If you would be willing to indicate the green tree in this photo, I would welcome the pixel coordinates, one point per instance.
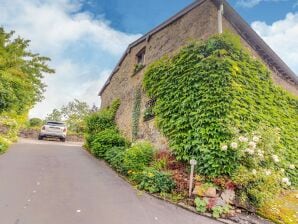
(55, 115)
(73, 114)
(21, 73)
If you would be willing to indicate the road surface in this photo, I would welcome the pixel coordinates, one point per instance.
(59, 183)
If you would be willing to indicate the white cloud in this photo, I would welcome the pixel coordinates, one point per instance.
(83, 48)
(282, 37)
(253, 3)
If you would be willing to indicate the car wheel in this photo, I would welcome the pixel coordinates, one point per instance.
(40, 137)
(62, 139)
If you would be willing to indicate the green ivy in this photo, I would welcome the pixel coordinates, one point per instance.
(206, 91)
(136, 112)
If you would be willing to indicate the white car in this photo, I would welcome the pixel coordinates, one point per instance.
(53, 129)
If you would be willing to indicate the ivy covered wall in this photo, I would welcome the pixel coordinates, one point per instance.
(210, 90)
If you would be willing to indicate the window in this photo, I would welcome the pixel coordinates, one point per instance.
(140, 61)
(148, 113)
(141, 57)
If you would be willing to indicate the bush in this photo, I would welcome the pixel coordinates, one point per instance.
(105, 140)
(256, 187)
(115, 157)
(201, 205)
(35, 122)
(4, 143)
(138, 156)
(153, 180)
(103, 119)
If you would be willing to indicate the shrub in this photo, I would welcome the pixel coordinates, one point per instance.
(105, 140)
(201, 205)
(256, 187)
(115, 157)
(153, 180)
(4, 143)
(138, 156)
(35, 122)
(218, 211)
(103, 119)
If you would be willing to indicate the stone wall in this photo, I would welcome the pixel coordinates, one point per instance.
(198, 24)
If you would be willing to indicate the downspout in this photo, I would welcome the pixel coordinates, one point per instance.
(219, 17)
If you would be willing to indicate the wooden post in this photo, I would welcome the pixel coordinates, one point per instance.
(192, 162)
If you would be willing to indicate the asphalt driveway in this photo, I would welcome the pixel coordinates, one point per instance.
(59, 183)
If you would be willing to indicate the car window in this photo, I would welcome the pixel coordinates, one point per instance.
(56, 124)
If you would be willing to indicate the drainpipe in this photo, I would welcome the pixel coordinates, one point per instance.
(219, 17)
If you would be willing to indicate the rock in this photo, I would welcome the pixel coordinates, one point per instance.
(231, 213)
(238, 211)
(220, 202)
(212, 202)
(202, 191)
(228, 196)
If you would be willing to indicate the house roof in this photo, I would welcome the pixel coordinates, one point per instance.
(243, 28)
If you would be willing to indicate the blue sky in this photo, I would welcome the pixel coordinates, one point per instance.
(86, 38)
(131, 15)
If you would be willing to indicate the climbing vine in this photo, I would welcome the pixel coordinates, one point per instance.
(136, 113)
(209, 90)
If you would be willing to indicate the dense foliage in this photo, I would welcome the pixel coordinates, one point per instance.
(101, 120)
(105, 140)
(21, 74)
(21, 86)
(138, 156)
(115, 157)
(153, 180)
(35, 122)
(210, 89)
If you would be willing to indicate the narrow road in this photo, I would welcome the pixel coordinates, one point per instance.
(58, 183)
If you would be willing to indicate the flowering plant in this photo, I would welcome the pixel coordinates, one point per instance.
(262, 171)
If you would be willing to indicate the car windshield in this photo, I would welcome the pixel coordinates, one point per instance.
(56, 124)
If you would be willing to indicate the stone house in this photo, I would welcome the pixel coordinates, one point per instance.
(198, 21)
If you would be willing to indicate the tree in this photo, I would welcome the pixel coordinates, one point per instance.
(55, 115)
(21, 74)
(73, 114)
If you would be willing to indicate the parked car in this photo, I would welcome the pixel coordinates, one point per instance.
(53, 129)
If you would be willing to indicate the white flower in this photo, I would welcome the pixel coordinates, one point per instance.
(254, 172)
(255, 138)
(224, 147)
(252, 144)
(286, 181)
(282, 170)
(260, 151)
(234, 145)
(275, 158)
(268, 172)
(243, 139)
(249, 151)
(260, 154)
(292, 166)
